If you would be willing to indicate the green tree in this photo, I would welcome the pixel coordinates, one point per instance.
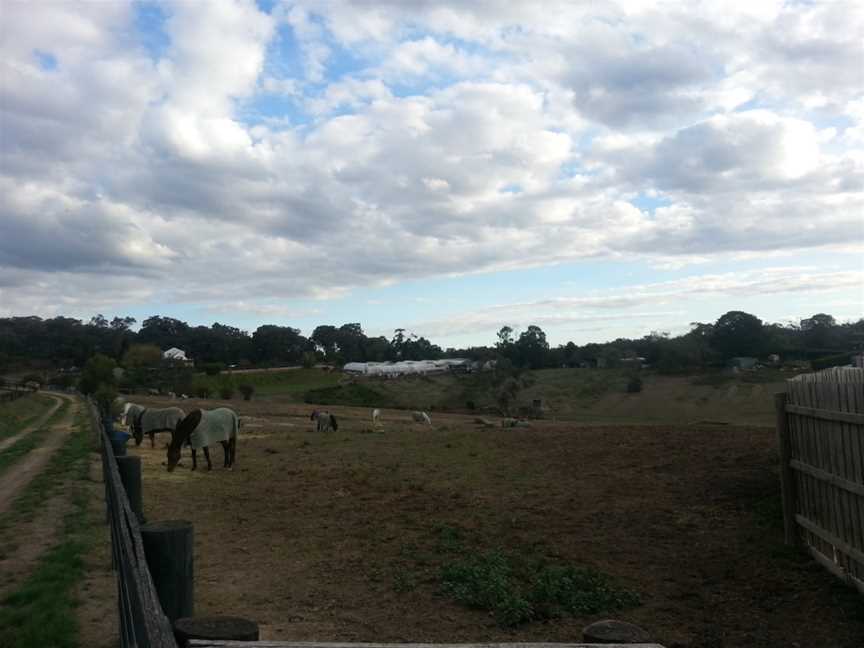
(98, 371)
(140, 356)
(737, 333)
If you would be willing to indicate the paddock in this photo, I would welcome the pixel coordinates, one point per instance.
(341, 536)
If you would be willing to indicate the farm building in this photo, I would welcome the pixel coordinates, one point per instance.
(409, 367)
(743, 362)
(176, 355)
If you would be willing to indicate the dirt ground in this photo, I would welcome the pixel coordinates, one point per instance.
(315, 536)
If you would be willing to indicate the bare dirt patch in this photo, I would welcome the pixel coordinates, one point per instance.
(22, 472)
(316, 535)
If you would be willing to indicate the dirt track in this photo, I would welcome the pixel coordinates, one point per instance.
(58, 400)
(20, 474)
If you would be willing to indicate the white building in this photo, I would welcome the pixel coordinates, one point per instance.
(176, 355)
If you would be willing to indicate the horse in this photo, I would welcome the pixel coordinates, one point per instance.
(130, 413)
(150, 421)
(324, 421)
(376, 415)
(421, 417)
(203, 428)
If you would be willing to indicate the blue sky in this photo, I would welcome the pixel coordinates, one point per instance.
(600, 169)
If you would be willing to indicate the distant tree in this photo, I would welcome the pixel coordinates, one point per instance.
(141, 356)
(819, 331)
(326, 338)
(247, 390)
(531, 349)
(738, 333)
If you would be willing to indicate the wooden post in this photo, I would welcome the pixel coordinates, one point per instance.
(787, 483)
(129, 468)
(168, 549)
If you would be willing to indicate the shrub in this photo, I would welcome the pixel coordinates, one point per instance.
(213, 368)
(226, 392)
(247, 391)
(105, 397)
(634, 385)
(203, 391)
(827, 362)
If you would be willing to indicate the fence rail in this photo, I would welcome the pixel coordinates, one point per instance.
(820, 426)
(10, 391)
(142, 621)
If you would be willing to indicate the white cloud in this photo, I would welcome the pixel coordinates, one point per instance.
(422, 139)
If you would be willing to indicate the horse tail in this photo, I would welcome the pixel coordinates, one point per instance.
(334, 423)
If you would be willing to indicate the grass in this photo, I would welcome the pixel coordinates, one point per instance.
(18, 414)
(294, 383)
(41, 611)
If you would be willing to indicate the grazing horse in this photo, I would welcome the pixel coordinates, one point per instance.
(130, 413)
(421, 417)
(324, 421)
(150, 421)
(203, 428)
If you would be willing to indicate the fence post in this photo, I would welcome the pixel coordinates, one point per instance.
(129, 468)
(787, 483)
(168, 550)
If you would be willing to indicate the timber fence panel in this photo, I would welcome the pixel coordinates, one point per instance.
(820, 428)
(142, 621)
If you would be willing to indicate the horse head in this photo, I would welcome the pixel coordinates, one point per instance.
(181, 433)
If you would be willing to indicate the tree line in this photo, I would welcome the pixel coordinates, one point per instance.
(63, 342)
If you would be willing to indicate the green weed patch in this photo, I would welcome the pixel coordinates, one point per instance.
(517, 591)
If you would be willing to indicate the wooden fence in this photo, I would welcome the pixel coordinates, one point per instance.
(142, 622)
(13, 391)
(820, 427)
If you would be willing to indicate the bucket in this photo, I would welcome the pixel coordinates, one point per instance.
(118, 443)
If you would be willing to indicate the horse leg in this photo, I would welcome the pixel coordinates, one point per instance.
(194, 459)
(225, 451)
(152, 439)
(207, 457)
(232, 447)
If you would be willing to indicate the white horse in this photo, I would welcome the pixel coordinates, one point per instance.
(376, 415)
(421, 417)
(324, 421)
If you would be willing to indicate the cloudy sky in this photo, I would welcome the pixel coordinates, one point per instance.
(600, 169)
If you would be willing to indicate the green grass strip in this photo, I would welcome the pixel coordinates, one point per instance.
(41, 612)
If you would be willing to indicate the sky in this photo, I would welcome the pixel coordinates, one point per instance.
(599, 169)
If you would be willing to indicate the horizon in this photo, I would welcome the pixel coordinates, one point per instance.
(601, 171)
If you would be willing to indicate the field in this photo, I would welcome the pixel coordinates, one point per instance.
(580, 395)
(350, 535)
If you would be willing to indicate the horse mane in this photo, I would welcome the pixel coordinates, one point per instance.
(185, 428)
(137, 429)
